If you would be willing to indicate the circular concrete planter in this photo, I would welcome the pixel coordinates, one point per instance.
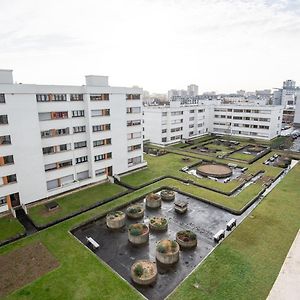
(115, 219)
(167, 252)
(153, 200)
(214, 170)
(158, 224)
(135, 211)
(138, 233)
(144, 272)
(167, 195)
(186, 239)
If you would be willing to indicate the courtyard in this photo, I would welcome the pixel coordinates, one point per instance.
(255, 249)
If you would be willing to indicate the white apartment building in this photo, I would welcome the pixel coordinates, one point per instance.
(55, 138)
(165, 125)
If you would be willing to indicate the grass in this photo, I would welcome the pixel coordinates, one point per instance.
(247, 263)
(241, 156)
(171, 164)
(244, 266)
(74, 202)
(10, 228)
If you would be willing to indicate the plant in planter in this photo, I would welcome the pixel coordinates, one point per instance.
(167, 252)
(138, 270)
(115, 219)
(144, 272)
(158, 223)
(167, 195)
(186, 239)
(153, 200)
(135, 211)
(138, 233)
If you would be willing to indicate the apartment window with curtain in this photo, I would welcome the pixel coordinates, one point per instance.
(99, 97)
(76, 97)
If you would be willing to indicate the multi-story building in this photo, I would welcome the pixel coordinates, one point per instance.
(56, 138)
(169, 124)
(192, 90)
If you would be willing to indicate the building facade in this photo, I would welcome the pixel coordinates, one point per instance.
(57, 138)
(165, 125)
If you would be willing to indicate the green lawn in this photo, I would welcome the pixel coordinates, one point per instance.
(241, 156)
(74, 202)
(244, 266)
(171, 164)
(10, 228)
(247, 263)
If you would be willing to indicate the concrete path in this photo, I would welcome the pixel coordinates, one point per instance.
(287, 284)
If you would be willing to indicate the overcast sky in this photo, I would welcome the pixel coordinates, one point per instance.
(221, 45)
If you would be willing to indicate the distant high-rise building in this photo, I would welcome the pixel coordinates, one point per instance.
(192, 90)
(289, 84)
(241, 92)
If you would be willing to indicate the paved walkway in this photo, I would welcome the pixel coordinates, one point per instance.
(287, 284)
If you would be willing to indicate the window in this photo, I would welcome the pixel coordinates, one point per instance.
(2, 98)
(55, 132)
(191, 119)
(53, 115)
(103, 156)
(58, 165)
(134, 147)
(99, 97)
(56, 149)
(11, 179)
(100, 112)
(3, 119)
(5, 140)
(78, 129)
(2, 200)
(164, 140)
(176, 113)
(191, 126)
(103, 127)
(78, 145)
(80, 160)
(192, 111)
(164, 114)
(133, 96)
(134, 123)
(103, 142)
(176, 129)
(134, 161)
(201, 110)
(50, 97)
(77, 113)
(134, 135)
(6, 160)
(82, 175)
(177, 121)
(133, 110)
(100, 172)
(76, 97)
(164, 131)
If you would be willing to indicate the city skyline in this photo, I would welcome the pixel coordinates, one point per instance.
(158, 45)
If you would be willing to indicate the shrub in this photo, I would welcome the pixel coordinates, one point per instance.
(162, 249)
(138, 270)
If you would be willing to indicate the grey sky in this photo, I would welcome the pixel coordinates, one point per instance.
(157, 44)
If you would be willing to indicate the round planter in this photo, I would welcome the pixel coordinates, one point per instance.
(167, 252)
(153, 200)
(115, 219)
(167, 195)
(135, 211)
(186, 239)
(144, 272)
(158, 224)
(214, 170)
(138, 234)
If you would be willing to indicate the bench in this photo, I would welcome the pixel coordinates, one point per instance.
(219, 235)
(231, 224)
(93, 242)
